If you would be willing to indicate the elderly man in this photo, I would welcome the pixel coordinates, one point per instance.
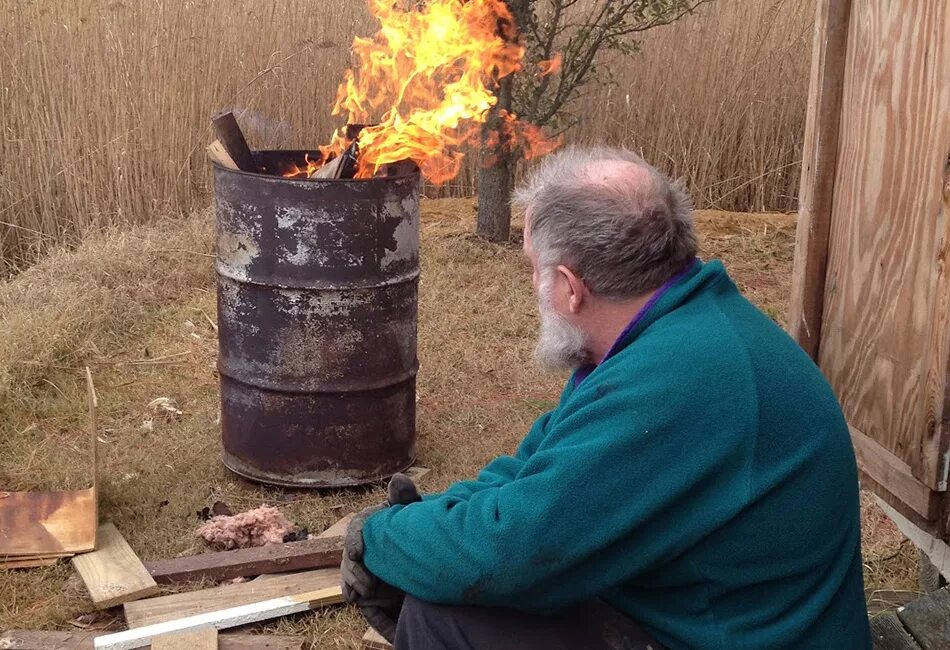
(697, 475)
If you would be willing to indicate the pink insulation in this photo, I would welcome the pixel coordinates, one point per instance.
(257, 527)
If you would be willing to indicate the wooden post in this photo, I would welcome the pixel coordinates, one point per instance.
(819, 163)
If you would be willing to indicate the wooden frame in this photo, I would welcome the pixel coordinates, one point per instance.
(819, 161)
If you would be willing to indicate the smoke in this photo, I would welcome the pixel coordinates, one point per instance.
(261, 131)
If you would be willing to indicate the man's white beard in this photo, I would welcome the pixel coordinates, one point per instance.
(561, 345)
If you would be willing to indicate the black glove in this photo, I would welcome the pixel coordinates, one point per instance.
(378, 602)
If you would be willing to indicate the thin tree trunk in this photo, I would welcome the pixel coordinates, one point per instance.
(496, 175)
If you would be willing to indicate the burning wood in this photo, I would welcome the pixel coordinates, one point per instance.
(232, 139)
(421, 90)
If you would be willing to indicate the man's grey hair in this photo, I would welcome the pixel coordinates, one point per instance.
(622, 238)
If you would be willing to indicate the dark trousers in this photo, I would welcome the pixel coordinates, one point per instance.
(590, 626)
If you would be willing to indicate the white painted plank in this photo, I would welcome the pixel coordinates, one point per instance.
(231, 617)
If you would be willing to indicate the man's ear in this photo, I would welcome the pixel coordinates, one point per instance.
(578, 292)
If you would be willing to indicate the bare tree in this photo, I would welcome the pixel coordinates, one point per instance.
(567, 39)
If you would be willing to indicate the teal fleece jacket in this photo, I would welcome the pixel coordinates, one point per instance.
(701, 479)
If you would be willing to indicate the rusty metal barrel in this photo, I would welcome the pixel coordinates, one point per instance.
(317, 303)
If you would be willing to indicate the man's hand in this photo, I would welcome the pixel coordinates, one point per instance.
(377, 601)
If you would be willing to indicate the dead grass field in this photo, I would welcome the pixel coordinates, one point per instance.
(144, 293)
(105, 104)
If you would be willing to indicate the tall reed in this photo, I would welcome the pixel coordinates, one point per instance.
(105, 105)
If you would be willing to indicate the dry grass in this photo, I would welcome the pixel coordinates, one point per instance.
(105, 105)
(128, 296)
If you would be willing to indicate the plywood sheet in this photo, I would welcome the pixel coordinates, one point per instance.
(37, 523)
(885, 338)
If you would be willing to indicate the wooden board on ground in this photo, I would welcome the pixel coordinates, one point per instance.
(416, 472)
(882, 600)
(315, 553)
(40, 556)
(223, 618)
(247, 641)
(928, 620)
(83, 640)
(200, 638)
(338, 529)
(113, 573)
(373, 640)
(30, 563)
(140, 613)
(48, 640)
(887, 633)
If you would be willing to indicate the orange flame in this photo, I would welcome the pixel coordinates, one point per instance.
(425, 82)
(311, 167)
(551, 65)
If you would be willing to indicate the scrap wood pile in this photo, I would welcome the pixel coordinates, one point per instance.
(272, 570)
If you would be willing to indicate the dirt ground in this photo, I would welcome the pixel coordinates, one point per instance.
(146, 296)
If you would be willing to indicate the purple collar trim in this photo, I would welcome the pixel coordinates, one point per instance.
(584, 371)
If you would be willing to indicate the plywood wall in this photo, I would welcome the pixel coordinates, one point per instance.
(885, 331)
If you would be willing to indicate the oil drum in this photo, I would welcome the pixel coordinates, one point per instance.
(317, 283)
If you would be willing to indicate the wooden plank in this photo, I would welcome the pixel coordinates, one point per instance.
(47, 640)
(416, 473)
(241, 641)
(140, 613)
(888, 633)
(113, 573)
(338, 529)
(92, 404)
(819, 161)
(219, 154)
(224, 618)
(29, 563)
(885, 333)
(936, 549)
(882, 600)
(373, 640)
(315, 553)
(199, 638)
(38, 556)
(83, 640)
(928, 620)
(230, 136)
(896, 475)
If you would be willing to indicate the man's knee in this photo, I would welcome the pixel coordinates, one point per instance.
(416, 613)
(421, 625)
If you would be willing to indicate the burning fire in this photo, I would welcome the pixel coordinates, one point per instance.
(425, 82)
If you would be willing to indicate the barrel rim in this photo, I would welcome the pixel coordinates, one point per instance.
(284, 179)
